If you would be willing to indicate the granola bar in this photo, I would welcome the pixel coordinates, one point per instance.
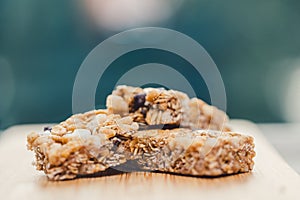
(192, 152)
(95, 141)
(83, 144)
(157, 106)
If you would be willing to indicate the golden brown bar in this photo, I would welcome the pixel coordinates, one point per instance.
(157, 106)
(94, 141)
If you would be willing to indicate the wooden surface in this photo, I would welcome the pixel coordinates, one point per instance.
(272, 178)
(285, 137)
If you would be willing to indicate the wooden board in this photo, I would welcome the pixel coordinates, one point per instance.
(272, 178)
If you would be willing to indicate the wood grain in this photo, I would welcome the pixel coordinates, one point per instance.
(271, 178)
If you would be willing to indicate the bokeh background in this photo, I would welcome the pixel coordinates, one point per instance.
(255, 45)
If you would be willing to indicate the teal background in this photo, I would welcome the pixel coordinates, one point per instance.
(43, 43)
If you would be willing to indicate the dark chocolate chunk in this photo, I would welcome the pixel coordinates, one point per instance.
(138, 101)
(47, 128)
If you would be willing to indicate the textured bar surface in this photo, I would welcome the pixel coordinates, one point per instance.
(83, 144)
(192, 152)
(155, 106)
(94, 141)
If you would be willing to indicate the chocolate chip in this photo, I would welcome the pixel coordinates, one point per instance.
(138, 101)
(47, 128)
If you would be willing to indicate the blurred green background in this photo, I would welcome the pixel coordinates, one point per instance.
(255, 45)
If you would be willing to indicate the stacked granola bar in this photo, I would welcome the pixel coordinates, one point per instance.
(97, 140)
(157, 106)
